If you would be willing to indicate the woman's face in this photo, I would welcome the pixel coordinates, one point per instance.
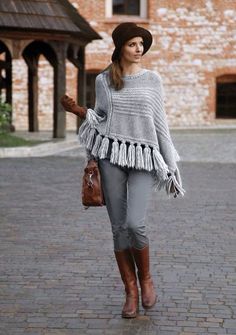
(132, 50)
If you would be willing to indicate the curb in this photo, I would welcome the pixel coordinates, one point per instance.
(40, 150)
(53, 148)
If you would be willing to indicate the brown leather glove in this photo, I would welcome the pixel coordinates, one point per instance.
(70, 106)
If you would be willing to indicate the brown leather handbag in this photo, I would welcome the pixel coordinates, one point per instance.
(92, 194)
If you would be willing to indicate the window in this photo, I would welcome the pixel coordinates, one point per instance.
(126, 7)
(226, 97)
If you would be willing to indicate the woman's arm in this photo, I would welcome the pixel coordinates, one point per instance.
(71, 106)
(167, 149)
(166, 145)
(88, 128)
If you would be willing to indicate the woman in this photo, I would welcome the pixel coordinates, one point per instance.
(128, 133)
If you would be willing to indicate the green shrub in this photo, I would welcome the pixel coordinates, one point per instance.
(5, 116)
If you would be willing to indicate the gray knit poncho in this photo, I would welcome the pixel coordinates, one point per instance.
(129, 127)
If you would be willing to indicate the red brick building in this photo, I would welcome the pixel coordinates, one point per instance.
(194, 50)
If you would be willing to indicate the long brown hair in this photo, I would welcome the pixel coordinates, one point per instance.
(115, 73)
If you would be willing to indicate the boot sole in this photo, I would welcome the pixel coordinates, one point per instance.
(131, 316)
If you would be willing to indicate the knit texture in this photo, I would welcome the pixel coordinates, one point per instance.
(132, 121)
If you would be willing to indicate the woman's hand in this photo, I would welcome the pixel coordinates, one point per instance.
(70, 106)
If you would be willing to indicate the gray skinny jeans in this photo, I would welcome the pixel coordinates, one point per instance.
(126, 193)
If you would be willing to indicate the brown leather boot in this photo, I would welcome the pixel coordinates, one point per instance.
(70, 106)
(149, 296)
(126, 266)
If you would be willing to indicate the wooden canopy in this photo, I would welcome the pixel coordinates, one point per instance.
(54, 28)
(47, 16)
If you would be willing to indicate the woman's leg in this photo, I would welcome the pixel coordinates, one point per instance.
(114, 182)
(139, 189)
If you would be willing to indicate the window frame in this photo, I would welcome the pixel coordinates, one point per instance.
(142, 15)
(125, 5)
(224, 94)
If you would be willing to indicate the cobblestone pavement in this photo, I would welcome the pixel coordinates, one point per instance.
(58, 274)
(195, 145)
(206, 145)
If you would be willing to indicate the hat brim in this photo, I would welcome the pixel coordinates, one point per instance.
(134, 32)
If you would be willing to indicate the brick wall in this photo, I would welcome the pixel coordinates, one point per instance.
(20, 94)
(45, 103)
(194, 42)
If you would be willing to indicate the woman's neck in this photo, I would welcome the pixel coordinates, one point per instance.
(129, 69)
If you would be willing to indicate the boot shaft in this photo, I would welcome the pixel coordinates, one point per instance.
(126, 267)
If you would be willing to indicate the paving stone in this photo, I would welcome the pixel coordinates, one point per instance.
(58, 270)
(230, 324)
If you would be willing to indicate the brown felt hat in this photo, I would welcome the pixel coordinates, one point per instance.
(124, 32)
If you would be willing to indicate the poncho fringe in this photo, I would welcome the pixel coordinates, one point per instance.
(130, 154)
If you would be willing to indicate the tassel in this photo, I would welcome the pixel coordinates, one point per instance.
(147, 158)
(160, 183)
(90, 138)
(102, 153)
(114, 152)
(172, 182)
(177, 176)
(84, 125)
(139, 157)
(131, 156)
(122, 160)
(91, 121)
(159, 164)
(96, 145)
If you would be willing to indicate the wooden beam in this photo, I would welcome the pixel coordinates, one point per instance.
(44, 36)
(81, 83)
(59, 117)
(33, 94)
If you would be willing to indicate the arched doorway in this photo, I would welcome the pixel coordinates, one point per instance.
(31, 55)
(226, 97)
(5, 74)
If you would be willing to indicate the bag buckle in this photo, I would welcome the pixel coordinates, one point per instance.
(90, 181)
